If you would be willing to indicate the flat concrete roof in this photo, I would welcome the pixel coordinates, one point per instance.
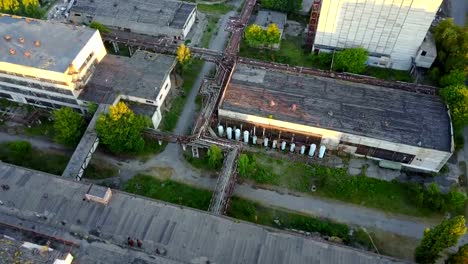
(131, 13)
(266, 17)
(141, 75)
(371, 111)
(184, 235)
(59, 43)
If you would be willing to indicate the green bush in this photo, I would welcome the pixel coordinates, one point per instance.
(20, 149)
(455, 77)
(351, 60)
(322, 60)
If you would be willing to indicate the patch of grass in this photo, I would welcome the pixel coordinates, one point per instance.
(46, 161)
(170, 118)
(389, 74)
(217, 9)
(33, 158)
(256, 213)
(200, 163)
(100, 170)
(335, 183)
(45, 129)
(209, 31)
(169, 191)
(291, 52)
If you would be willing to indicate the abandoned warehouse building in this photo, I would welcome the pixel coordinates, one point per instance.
(36, 68)
(307, 112)
(142, 81)
(154, 18)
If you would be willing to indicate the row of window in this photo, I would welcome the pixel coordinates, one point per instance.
(35, 77)
(37, 94)
(47, 104)
(381, 153)
(36, 86)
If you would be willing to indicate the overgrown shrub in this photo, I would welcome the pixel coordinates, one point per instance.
(20, 149)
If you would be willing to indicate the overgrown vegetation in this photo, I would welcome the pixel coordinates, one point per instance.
(43, 129)
(396, 197)
(211, 161)
(169, 191)
(351, 60)
(102, 28)
(209, 31)
(256, 213)
(217, 9)
(170, 118)
(457, 99)
(68, 126)
(439, 238)
(287, 6)
(389, 74)
(28, 8)
(21, 153)
(120, 130)
(460, 257)
(256, 36)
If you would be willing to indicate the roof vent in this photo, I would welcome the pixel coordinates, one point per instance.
(27, 54)
(272, 103)
(21, 40)
(330, 113)
(12, 51)
(293, 107)
(7, 37)
(37, 43)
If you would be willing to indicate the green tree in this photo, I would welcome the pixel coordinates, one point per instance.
(100, 27)
(351, 60)
(457, 99)
(437, 239)
(68, 126)
(461, 257)
(215, 157)
(455, 77)
(452, 47)
(272, 34)
(29, 8)
(120, 130)
(288, 6)
(255, 35)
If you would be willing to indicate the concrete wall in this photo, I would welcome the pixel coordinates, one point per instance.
(189, 23)
(425, 159)
(165, 88)
(395, 28)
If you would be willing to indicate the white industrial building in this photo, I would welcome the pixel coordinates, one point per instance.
(304, 114)
(391, 30)
(142, 81)
(44, 63)
(154, 18)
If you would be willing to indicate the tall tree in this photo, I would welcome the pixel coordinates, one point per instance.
(452, 47)
(351, 60)
(454, 77)
(29, 8)
(461, 257)
(121, 130)
(184, 55)
(457, 99)
(437, 239)
(273, 34)
(68, 126)
(215, 157)
(255, 35)
(288, 6)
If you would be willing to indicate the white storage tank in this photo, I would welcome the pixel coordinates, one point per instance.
(283, 145)
(237, 134)
(312, 149)
(265, 142)
(254, 140)
(322, 151)
(220, 130)
(229, 132)
(292, 147)
(303, 150)
(275, 142)
(246, 136)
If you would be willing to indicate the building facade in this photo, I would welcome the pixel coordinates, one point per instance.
(46, 64)
(391, 30)
(155, 18)
(298, 113)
